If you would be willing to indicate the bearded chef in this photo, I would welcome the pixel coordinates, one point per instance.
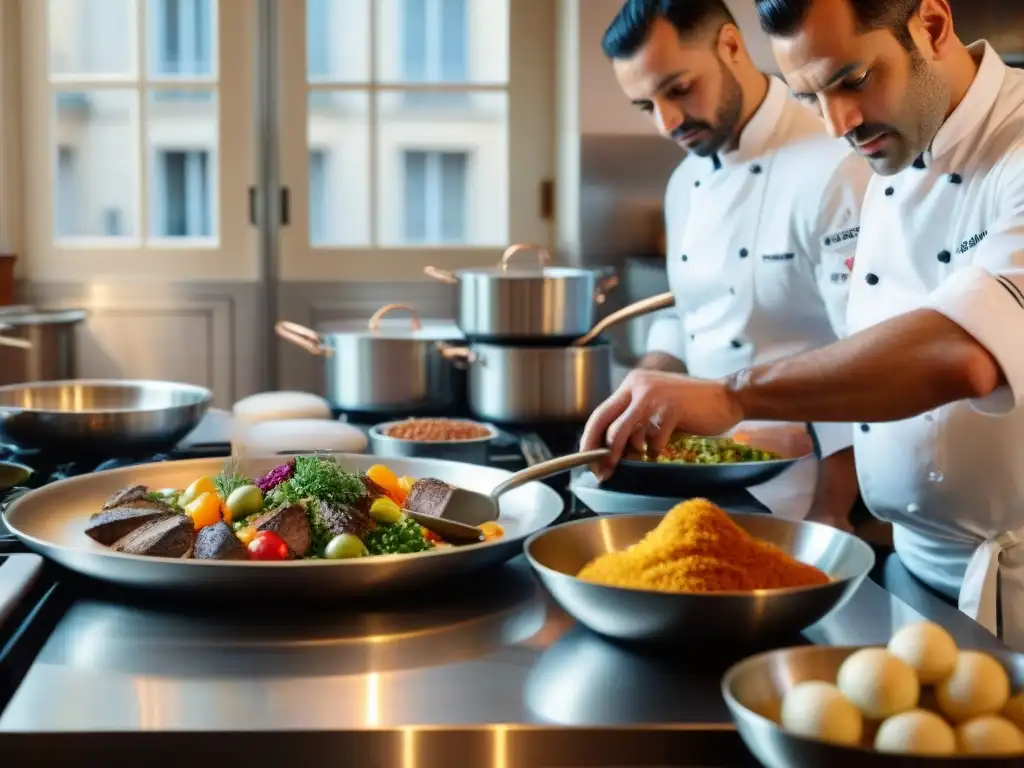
(761, 221)
(933, 370)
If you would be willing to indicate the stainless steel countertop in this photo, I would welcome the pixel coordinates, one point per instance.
(501, 655)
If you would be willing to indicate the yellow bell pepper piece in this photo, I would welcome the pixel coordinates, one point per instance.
(492, 530)
(205, 510)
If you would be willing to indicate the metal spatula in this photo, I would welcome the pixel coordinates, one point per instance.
(472, 508)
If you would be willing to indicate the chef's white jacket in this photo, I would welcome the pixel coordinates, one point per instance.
(948, 234)
(760, 242)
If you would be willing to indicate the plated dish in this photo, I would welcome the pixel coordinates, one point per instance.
(306, 508)
(690, 449)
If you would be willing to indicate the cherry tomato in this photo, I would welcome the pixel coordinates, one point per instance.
(267, 545)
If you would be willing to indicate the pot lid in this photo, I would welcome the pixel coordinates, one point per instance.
(520, 272)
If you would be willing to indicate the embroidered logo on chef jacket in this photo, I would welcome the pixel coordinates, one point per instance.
(778, 257)
(838, 238)
(966, 245)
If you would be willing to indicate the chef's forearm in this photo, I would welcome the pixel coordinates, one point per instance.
(895, 370)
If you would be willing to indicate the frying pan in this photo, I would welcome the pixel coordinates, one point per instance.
(663, 479)
(77, 417)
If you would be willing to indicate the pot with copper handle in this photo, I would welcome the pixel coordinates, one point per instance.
(523, 301)
(385, 364)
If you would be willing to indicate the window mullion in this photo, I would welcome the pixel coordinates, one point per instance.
(141, 132)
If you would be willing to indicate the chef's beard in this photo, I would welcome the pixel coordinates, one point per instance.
(914, 129)
(727, 118)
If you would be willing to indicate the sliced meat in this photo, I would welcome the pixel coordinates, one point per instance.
(218, 542)
(127, 495)
(110, 525)
(168, 537)
(338, 518)
(429, 496)
(291, 524)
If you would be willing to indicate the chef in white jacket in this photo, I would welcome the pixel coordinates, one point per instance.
(762, 219)
(934, 367)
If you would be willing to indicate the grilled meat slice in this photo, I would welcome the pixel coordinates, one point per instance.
(126, 496)
(429, 496)
(168, 537)
(291, 524)
(115, 523)
(339, 518)
(218, 542)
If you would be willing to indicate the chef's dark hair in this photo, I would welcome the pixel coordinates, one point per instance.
(631, 27)
(782, 18)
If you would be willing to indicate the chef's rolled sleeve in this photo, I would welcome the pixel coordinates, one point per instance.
(989, 305)
(666, 335)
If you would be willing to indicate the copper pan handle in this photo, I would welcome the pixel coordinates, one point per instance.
(604, 285)
(643, 307)
(542, 254)
(460, 357)
(441, 275)
(377, 316)
(303, 337)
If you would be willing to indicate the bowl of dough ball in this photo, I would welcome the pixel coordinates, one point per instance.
(918, 701)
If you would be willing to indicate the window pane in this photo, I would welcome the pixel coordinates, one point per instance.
(96, 163)
(442, 169)
(338, 130)
(454, 41)
(182, 132)
(181, 38)
(91, 37)
(337, 40)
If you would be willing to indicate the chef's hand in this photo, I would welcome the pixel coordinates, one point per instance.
(649, 406)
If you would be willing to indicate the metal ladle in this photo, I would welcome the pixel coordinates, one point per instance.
(470, 509)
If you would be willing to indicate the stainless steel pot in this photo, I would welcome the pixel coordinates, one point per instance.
(500, 303)
(515, 384)
(38, 345)
(382, 365)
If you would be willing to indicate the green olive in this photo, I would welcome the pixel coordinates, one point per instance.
(345, 546)
(244, 501)
(384, 510)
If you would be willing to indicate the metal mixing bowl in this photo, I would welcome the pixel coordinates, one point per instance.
(111, 417)
(753, 691)
(470, 451)
(557, 555)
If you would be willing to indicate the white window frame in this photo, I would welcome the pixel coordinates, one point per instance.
(531, 161)
(233, 254)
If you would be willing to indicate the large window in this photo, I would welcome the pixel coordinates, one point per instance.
(413, 119)
(134, 97)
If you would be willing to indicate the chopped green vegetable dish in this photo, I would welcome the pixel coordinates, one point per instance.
(689, 449)
(402, 538)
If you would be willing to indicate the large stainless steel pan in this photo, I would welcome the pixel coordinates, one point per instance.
(753, 690)
(517, 302)
(383, 365)
(646, 616)
(79, 416)
(52, 521)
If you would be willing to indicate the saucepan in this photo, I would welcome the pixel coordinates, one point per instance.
(538, 301)
(75, 417)
(384, 365)
(521, 383)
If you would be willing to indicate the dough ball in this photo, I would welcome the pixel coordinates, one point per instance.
(878, 684)
(990, 735)
(916, 732)
(977, 686)
(926, 647)
(817, 710)
(1014, 711)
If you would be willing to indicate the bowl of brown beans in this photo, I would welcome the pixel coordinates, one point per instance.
(453, 439)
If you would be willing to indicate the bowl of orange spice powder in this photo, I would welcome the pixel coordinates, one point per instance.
(453, 439)
(698, 573)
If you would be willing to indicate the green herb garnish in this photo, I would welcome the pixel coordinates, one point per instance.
(322, 479)
(226, 483)
(402, 538)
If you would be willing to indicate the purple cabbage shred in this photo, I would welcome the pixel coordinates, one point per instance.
(276, 476)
